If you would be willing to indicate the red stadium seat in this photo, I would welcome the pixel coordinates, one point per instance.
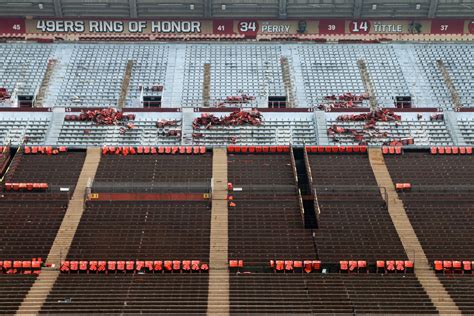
(343, 265)
(438, 266)
(186, 265)
(195, 265)
(111, 265)
(158, 265)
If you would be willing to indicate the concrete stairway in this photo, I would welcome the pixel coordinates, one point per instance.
(45, 83)
(55, 126)
(425, 274)
(206, 85)
(218, 295)
(449, 83)
(285, 68)
(125, 83)
(44, 283)
(364, 74)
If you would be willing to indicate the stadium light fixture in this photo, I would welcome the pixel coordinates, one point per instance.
(374, 7)
(18, 4)
(92, 4)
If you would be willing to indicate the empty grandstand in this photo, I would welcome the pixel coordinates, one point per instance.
(226, 158)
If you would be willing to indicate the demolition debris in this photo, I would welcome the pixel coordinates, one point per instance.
(370, 130)
(236, 118)
(343, 101)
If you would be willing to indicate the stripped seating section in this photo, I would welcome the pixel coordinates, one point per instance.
(13, 288)
(440, 208)
(154, 253)
(354, 223)
(60, 170)
(131, 294)
(155, 169)
(440, 203)
(146, 230)
(328, 294)
(31, 218)
(266, 222)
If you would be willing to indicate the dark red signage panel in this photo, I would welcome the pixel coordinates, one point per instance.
(447, 26)
(223, 26)
(332, 26)
(12, 25)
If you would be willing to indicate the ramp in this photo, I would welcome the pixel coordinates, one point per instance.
(425, 274)
(38, 293)
(218, 295)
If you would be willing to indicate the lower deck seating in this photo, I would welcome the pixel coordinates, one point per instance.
(354, 222)
(56, 170)
(28, 228)
(13, 289)
(128, 294)
(266, 222)
(264, 230)
(461, 289)
(155, 169)
(260, 169)
(328, 294)
(122, 230)
(440, 204)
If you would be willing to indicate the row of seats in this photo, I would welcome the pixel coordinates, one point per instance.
(336, 149)
(7, 265)
(392, 150)
(258, 149)
(134, 266)
(48, 150)
(451, 150)
(153, 150)
(26, 186)
(448, 266)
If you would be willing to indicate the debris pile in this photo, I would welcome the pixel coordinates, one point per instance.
(437, 117)
(4, 94)
(236, 118)
(243, 98)
(343, 101)
(370, 130)
(400, 142)
(154, 88)
(164, 123)
(108, 116)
